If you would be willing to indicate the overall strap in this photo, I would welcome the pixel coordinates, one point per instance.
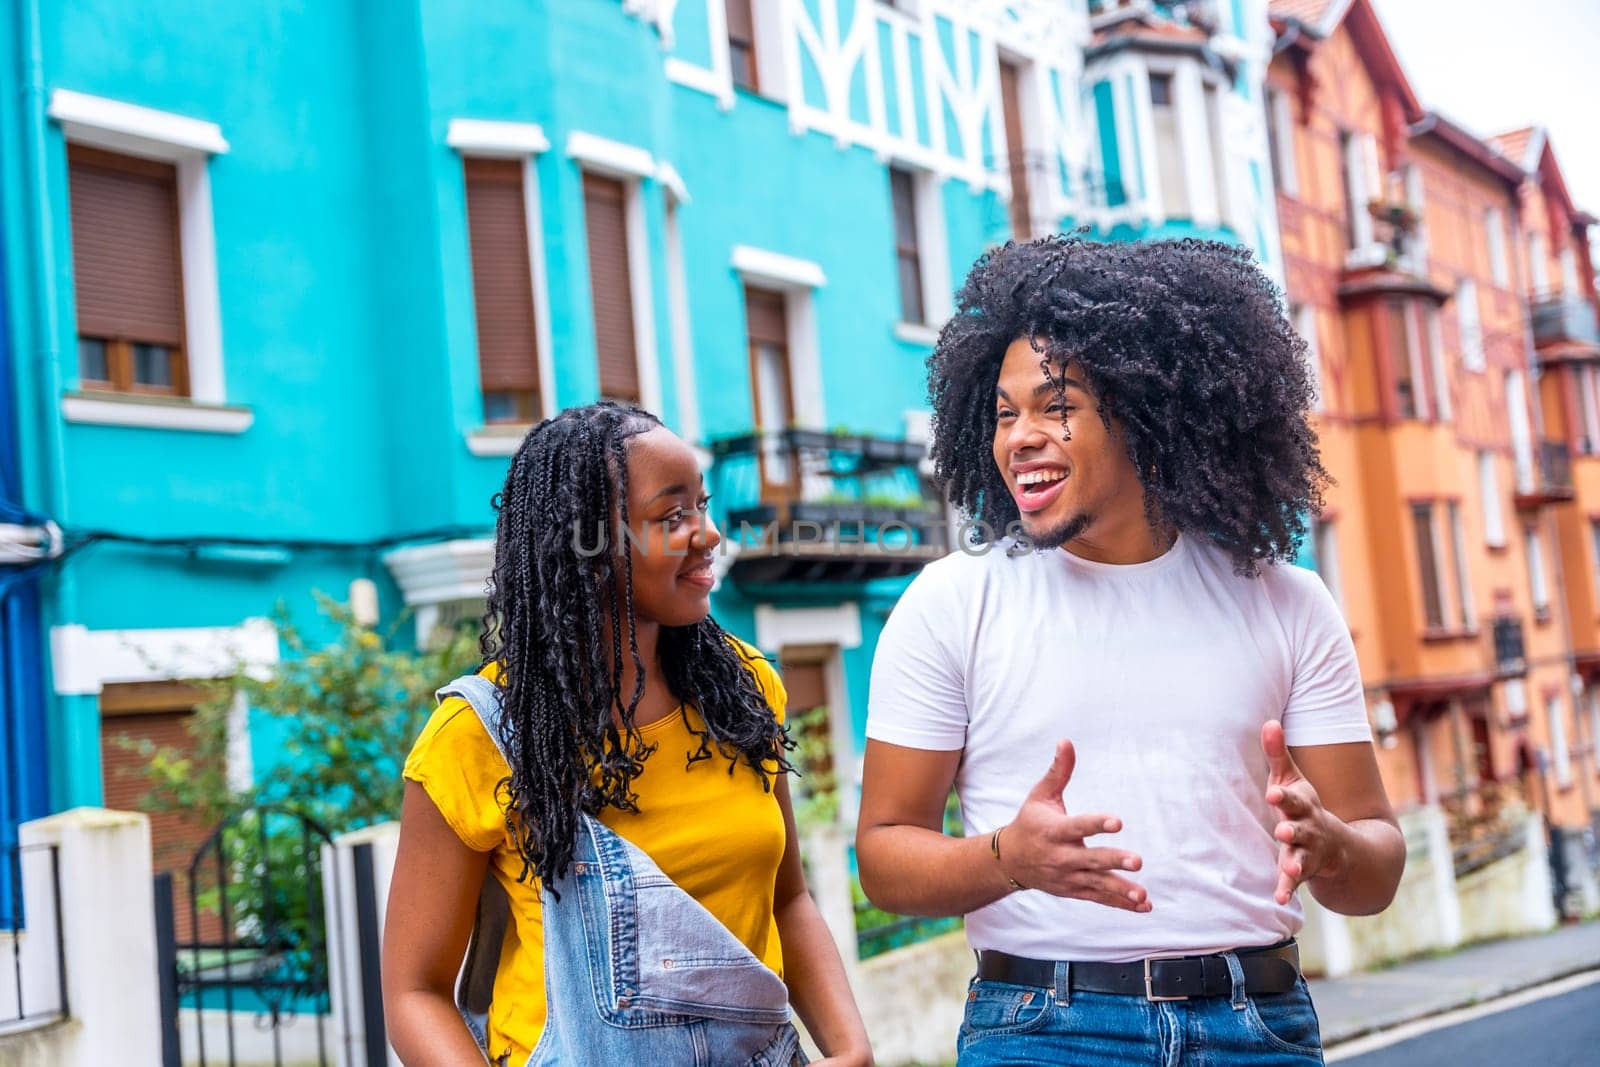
(483, 696)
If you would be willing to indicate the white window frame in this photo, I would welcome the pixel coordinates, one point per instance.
(1325, 540)
(1538, 263)
(1560, 748)
(1494, 521)
(1282, 120)
(1442, 406)
(933, 254)
(798, 280)
(1466, 613)
(189, 144)
(678, 312)
(1538, 582)
(1495, 236)
(1420, 399)
(1570, 284)
(524, 142)
(1588, 407)
(1471, 326)
(1415, 197)
(1361, 171)
(632, 166)
(1592, 698)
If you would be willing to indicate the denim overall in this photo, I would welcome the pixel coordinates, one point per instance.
(636, 971)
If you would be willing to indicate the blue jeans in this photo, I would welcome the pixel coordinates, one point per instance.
(1019, 1026)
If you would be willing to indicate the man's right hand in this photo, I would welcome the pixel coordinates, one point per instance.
(1043, 847)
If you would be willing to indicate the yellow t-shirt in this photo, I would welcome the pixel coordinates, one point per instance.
(718, 836)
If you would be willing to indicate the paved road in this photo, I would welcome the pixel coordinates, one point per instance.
(1559, 1031)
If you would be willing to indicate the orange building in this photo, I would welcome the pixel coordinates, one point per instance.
(1463, 554)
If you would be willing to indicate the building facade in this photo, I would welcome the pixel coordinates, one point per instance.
(1454, 537)
(292, 283)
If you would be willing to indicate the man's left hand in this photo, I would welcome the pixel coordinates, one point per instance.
(1310, 839)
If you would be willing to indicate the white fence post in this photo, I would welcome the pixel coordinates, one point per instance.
(347, 984)
(108, 931)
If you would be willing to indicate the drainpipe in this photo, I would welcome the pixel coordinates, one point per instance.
(67, 724)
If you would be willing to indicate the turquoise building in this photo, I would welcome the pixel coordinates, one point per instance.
(284, 284)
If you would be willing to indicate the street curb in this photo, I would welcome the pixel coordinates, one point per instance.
(1486, 996)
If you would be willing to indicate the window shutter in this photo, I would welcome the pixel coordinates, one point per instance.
(128, 275)
(765, 318)
(1428, 565)
(502, 277)
(610, 286)
(806, 684)
(1011, 105)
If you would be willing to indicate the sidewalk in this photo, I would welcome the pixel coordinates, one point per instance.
(1360, 1004)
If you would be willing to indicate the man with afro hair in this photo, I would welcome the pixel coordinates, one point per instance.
(1155, 723)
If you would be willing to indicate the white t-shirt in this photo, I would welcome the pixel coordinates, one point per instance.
(1161, 674)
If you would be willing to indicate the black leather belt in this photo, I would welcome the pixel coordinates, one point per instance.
(1266, 970)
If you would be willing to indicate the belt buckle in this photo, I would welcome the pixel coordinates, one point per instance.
(1149, 981)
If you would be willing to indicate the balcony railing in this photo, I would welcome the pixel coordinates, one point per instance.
(812, 505)
(1551, 480)
(1564, 318)
(1510, 653)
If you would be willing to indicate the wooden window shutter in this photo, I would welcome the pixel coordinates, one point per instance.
(765, 318)
(125, 247)
(1428, 565)
(502, 282)
(1011, 106)
(806, 684)
(610, 286)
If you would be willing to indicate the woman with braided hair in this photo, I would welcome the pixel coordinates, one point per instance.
(602, 810)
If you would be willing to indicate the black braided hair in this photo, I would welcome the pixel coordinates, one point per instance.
(1183, 342)
(555, 622)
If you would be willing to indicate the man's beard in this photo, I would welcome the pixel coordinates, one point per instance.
(1069, 530)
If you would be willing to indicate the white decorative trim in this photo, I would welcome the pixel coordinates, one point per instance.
(141, 131)
(612, 158)
(681, 72)
(668, 176)
(83, 661)
(682, 334)
(443, 572)
(504, 140)
(539, 273)
(496, 441)
(646, 352)
(915, 333)
(779, 628)
(805, 358)
(775, 268)
(155, 414)
(202, 306)
(1373, 254)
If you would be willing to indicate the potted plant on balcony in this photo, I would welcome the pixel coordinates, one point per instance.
(798, 437)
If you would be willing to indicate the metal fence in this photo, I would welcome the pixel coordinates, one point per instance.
(33, 985)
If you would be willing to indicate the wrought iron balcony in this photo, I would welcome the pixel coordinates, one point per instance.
(1551, 478)
(819, 506)
(1510, 653)
(1564, 318)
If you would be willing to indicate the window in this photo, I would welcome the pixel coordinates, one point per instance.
(1587, 403)
(1494, 522)
(1594, 548)
(1560, 753)
(1011, 105)
(1304, 318)
(1325, 543)
(1441, 377)
(742, 44)
(1538, 586)
(1359, 154)
(805, 679)
(767, 329)
(1472, 355)
(1569, 272)
(1219, 150)
(1417, 243)
(1406, 359)
(1495, 234)
(1175, 192)
(1592, 698)
(605, 206)
(1428, 565)
(1280, 142)
(1458, 551)
(128, 273)
(1538, 263)
(502, 290)
(907, 248)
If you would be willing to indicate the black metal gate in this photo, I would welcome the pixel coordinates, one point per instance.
(253, 960)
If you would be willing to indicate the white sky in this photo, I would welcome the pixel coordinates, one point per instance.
(1491, 66)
